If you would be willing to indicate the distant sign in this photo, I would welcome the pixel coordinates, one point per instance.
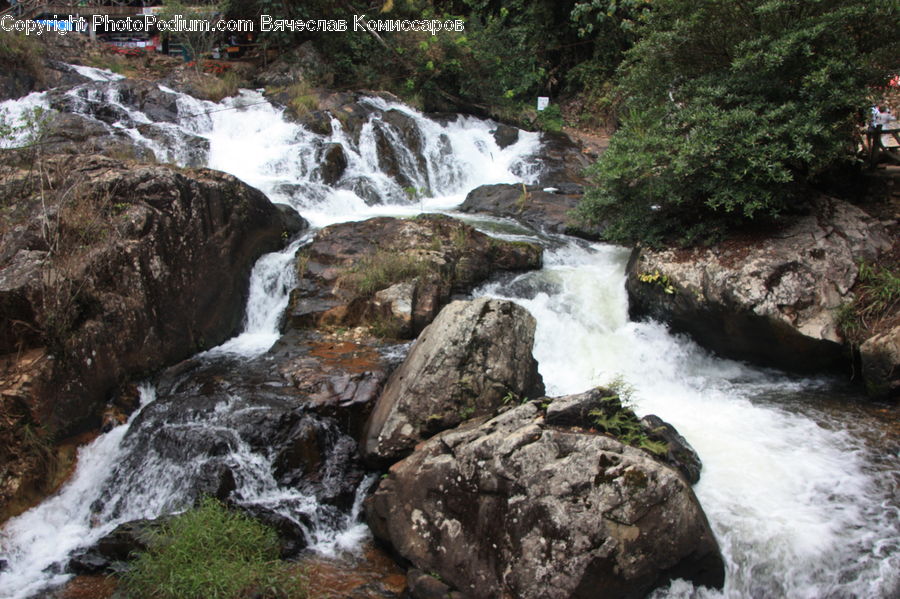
(543, 102)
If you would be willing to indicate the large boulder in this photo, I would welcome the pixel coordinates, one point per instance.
(564, 160)
(119, 271)
(582, 409)
(880, 357)
(515, 507)
(770, 300)
(396, 274)
(475, 355)
(541, 208)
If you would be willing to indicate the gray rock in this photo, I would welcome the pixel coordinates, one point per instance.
(880, 356)
(463, 365)
(334, 163)
(575, 411)
(505, 135)
(563, 160)
(771, 301)
(511, 507)
(112, 552)
(303, 64)
(533, 206)
(437, 255)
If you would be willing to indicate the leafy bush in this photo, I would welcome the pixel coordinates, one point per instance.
(616, 418)
(733, 110)
(211, 553)
(550, 119)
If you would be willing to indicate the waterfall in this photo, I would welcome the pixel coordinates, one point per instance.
(799, 498)
(35, 542)
(799, 503)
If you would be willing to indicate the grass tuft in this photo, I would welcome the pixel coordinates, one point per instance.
(209, 552)
(877, 298)
(381, 270)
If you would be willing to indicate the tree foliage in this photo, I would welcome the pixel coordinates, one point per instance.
(509, 52)
(734, 109)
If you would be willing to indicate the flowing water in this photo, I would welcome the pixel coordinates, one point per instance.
(799, 487)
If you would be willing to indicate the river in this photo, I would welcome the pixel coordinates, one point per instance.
(800, 477)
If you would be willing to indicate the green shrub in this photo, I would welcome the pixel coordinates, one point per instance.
(211, 553)
(734, 111)
(550, 119)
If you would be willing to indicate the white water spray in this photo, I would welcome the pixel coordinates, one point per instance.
(36, 542)
(799, 505)
(793, 501)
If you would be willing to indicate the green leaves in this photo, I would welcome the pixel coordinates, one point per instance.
(616, 418)
(733, 111)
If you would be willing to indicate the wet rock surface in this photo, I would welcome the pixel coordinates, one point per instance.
(543, 208)
(112, 553)
(771, 301)
(92, 118)
(396, 274)
(475, 356)
(513, 506)
(128, 279)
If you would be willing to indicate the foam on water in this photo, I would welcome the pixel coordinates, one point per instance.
(801, 507)
(793, 500)
(36, 542)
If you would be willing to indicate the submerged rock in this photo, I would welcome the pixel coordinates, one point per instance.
(395, 274)
(516, 507)
(472, 358)
(771, 301)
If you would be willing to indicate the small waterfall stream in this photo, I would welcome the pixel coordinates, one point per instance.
(801, 496)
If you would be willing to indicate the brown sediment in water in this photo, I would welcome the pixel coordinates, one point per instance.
(371, 575)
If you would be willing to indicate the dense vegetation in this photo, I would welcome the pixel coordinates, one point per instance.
(734, 109)
(728, 111)
(509, 53)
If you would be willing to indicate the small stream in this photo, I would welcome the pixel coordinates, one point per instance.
(799, 482)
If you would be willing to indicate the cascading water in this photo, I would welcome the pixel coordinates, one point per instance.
(195, 440)
(801, 503)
